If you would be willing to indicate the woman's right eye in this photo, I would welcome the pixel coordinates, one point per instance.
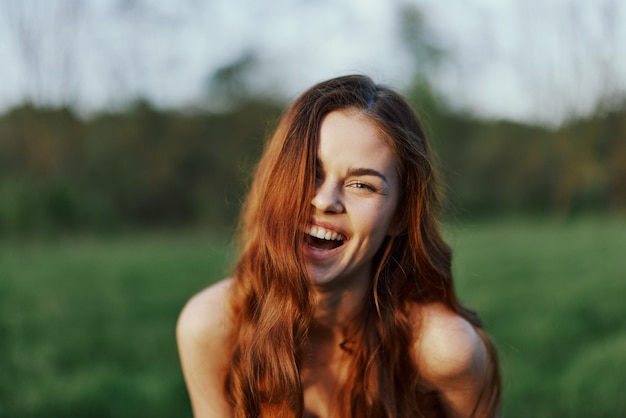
(319, 178)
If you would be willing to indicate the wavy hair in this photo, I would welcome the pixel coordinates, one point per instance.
(272, 298)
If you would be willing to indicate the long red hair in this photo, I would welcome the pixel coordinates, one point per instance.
(272, 299)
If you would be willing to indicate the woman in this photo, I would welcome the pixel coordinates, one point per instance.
(342, 302)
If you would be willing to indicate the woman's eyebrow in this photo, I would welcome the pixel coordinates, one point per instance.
(367, 172)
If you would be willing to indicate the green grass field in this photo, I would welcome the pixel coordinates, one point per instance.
(87, 325)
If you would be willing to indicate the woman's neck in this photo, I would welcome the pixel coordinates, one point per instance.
(335, 308)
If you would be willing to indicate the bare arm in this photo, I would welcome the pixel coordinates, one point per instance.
(202, 333)
(454, 362)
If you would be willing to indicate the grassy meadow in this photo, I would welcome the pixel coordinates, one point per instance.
(87, 325)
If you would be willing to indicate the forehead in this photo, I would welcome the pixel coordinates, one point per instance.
(349, 137)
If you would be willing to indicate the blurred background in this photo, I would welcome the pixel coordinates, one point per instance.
(129, 130)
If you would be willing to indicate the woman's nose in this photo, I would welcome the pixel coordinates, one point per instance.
(328, 198)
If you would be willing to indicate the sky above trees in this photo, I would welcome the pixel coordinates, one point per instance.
(533, 60)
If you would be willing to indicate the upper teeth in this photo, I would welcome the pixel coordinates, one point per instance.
(323, 233)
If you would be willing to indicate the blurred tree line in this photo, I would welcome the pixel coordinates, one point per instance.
(493, 167)
(145, 167)
(140, 167)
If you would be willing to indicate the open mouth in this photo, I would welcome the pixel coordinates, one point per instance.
(323, 239)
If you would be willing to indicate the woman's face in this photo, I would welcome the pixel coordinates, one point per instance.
(356, 196)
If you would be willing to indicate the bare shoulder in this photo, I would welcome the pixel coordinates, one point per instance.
(448, 346)
(203, 334)
(206, 312)
(453, 360)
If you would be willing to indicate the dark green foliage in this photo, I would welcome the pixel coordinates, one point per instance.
(503, 167)
(142, 167)
(145, 167)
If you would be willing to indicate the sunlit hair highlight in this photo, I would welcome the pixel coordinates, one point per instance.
(272, 298)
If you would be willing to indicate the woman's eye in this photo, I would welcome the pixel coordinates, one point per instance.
(362, 186)
(318, 179)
